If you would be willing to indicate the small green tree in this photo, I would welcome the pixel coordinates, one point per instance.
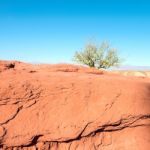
(98, 57)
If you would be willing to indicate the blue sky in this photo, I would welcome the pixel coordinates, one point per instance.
(51, 31)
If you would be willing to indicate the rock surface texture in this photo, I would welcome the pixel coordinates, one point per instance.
(67, 107)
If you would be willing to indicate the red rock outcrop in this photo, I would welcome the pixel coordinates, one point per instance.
(67, 107)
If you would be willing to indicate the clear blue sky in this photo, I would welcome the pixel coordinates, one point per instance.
(51, 31)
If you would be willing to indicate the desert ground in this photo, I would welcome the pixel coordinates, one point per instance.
(136, 73)
(70, 107)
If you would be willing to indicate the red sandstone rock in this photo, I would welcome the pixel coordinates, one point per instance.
(68, 107)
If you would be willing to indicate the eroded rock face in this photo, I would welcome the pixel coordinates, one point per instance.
(67, 107)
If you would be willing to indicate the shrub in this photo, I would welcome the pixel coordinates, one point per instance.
(99, 57)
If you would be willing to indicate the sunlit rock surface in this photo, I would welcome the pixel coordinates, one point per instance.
(68, 107)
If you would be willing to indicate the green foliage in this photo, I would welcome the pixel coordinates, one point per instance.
(98, 57)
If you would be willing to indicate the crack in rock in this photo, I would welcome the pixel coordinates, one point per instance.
(8, 113)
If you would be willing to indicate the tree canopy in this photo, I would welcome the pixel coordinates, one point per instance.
(99, 57)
